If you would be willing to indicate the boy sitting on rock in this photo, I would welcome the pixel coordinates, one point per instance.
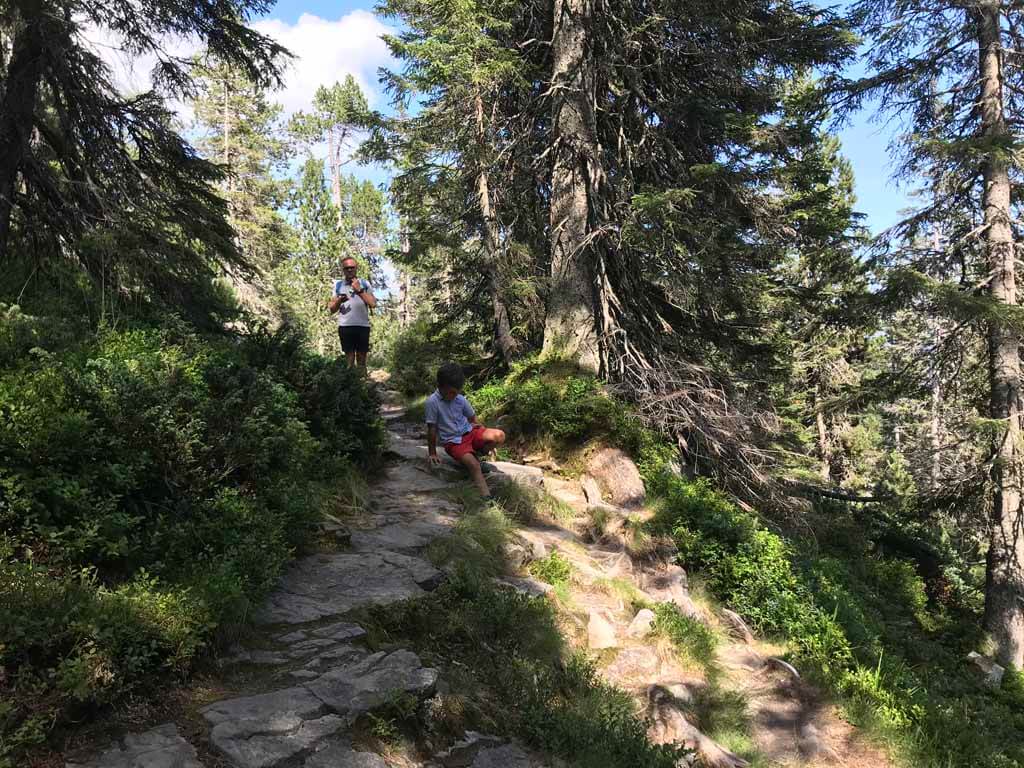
(450, 417)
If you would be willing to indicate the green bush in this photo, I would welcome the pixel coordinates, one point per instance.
(418, 350)
(154, 483)
(691, 637)
(553, 569)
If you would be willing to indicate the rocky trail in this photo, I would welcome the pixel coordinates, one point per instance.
(297, 691)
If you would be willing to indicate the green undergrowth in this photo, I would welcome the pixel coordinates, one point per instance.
(553, 569)
(691, 638)
(511, 675)
(155, 480)
(859, 623)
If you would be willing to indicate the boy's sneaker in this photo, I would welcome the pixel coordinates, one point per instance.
(486, 467)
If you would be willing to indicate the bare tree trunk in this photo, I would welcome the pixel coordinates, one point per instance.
(226, 120)
(935, 427)
(507, 346)
(572, 319)
(17, 107)
(823, 441)
(334, 166)
(1004, 582)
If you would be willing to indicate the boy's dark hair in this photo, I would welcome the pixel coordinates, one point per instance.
(450, 375)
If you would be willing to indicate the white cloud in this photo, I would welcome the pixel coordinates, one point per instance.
(324, 52)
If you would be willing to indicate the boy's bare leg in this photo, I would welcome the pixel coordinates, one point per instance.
(360, 359)
(492, 439)
(470, 462)
(350, 358)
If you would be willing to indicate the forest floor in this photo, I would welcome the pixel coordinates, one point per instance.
(316, 686)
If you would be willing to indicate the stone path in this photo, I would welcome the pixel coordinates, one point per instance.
(321, 677)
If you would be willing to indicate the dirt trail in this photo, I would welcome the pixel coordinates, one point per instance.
(301, 684)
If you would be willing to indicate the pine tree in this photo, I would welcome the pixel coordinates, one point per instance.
(338, 114)
(240, 130)
(457, 57)
(962, 55)
(77, 157)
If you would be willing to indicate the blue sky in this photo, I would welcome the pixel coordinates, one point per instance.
(865, 143)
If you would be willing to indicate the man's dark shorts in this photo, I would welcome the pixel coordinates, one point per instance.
(354, 338)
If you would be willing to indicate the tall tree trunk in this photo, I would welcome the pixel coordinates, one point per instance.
(507, 346)
(334, 166)
(17, 107)
(572, 319)
(1004, 583)
(226, 130)
(823, 441)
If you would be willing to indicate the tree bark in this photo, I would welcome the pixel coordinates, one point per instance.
(823, 441)
(505, 342)
(334, 166)
(571, 325)
(17, 107)
(1004, 587)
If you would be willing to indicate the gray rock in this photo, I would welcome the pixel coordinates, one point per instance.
(297, 702)
(265, 730)
(352, 690)
(634, 667)
(518, 552)
(669, 726)
(993, 672)
(291, 637)
(347, 654)
(506, 471)
(591, 490)
(408, 536)
(641, 625)
(313, 644)
(600, 631)
(160, 747)
(326, 585)
(341, 755)
(303, 674)
(525, 586)
(618, 475)
(341, 630)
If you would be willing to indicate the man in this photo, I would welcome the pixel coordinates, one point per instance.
(352, 301)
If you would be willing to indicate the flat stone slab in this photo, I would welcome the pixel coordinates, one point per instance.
(280, 727)
(319, 586)
(342, 630)
(341, 755)
(160, 747)
(401, 537)
(352, 690)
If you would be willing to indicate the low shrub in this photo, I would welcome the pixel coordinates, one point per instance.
(691, 638)
(154, 484)
(553, 569)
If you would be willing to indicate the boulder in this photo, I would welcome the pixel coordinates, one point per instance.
(641, 625)
(618, 476)
(600, 631)
(993, 673)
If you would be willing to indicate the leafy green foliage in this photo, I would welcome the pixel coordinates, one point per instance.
(692, 638)
(154, 484)
(858, 622)
(553, 569)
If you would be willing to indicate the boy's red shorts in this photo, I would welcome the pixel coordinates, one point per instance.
(471, 441)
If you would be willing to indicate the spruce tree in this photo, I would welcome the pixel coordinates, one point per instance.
(77, 156)
(962, 56)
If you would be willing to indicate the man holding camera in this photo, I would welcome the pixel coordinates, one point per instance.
(352, 301)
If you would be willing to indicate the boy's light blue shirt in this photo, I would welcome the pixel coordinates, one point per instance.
(451, 417)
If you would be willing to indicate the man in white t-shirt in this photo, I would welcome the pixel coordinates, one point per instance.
(351, 302)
